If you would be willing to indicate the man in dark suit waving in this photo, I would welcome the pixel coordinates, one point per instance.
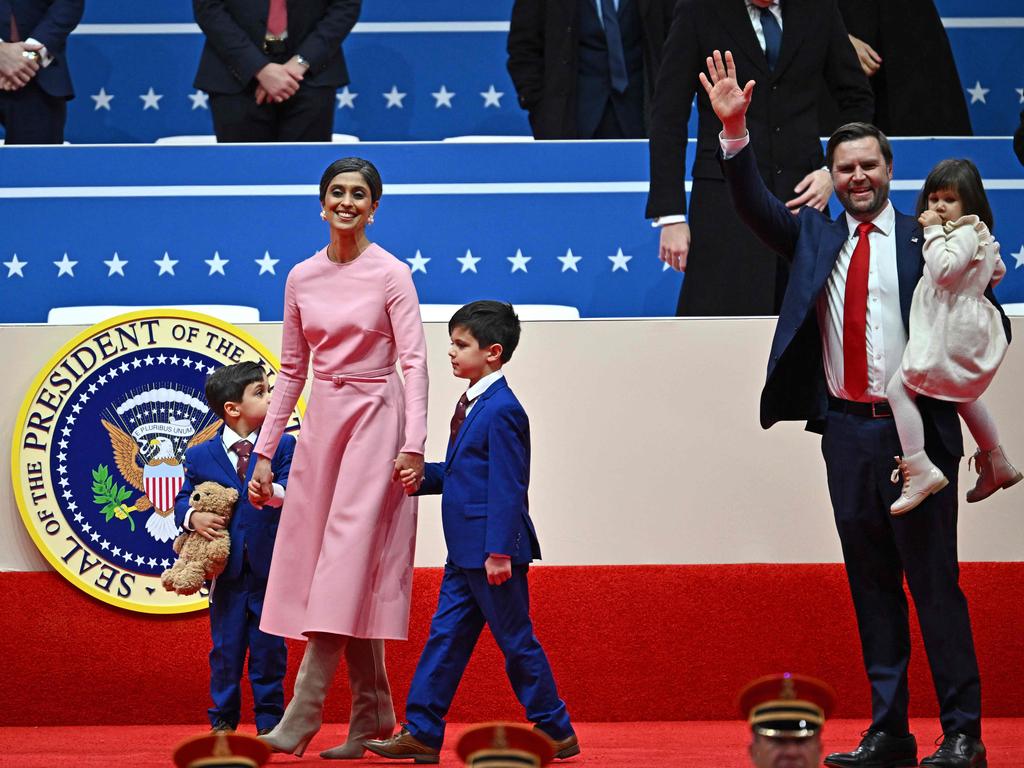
(35, 83)
(794, 48)
(840, 338)
(271, 67)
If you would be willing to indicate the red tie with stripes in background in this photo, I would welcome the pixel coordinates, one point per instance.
(277, 18)
(855, 316)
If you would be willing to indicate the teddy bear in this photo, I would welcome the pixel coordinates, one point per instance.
(200, 559)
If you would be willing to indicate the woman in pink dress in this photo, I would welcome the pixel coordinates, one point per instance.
(341, 573)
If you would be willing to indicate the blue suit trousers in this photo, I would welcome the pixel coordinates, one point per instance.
(879, 550)
(236, 605)
(465, 604)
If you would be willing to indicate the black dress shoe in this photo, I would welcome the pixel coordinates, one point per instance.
(222, 725)
(958, 750)
(878, 750)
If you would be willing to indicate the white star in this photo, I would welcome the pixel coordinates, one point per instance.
(1019, 257)
(102, 100)
(116, 264)
(86, 527)
(200, 100)
(492, 98)
(394, 98)
(116, 552)
(346, 98)
(569, 261)
(443, 98)
(94, 536)
(216, 264)
(468, 262)
(149, 359)
(166, 265)
(174, 361)
(267, 263)
(139, 559)
(65, 267)
(150, 100)
(620, 261)
(124, 367)
(161, 359)
(165, 562)
(1020, 92)
(152, 562)
(519, 261)
(105, 544)
(977, 92)
(418, 262)
(137, 362)
(14, 266)
(72, 506)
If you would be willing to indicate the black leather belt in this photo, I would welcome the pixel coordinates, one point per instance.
(275, 47)
(878, 409)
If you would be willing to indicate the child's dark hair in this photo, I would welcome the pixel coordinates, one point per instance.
(490, 322)
(228, 384)
(961, 176)
(364, 168)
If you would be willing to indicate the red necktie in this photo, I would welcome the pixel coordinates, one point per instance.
(277, 18)
(244, 449)
(459, 416)
(855, 316)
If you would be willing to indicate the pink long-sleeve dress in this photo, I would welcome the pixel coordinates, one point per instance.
(344, 552)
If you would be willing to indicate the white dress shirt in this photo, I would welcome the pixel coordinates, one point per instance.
(480, 387)
(229, 439)
(600, 13)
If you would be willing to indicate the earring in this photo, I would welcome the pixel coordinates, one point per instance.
(323, 214)
(370, 220)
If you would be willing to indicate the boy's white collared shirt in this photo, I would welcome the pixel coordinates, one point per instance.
(480, 387)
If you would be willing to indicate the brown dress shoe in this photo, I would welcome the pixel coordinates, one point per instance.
(567, 747)
(403, 746)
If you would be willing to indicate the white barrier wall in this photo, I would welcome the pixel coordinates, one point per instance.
(646, 446)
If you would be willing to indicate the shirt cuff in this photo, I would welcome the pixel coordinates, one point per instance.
(662, 221)
(46, 58)
(500, 557)
(186, 523)
(278, 498)
(732, 147)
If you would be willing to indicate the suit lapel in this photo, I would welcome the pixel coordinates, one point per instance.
(832, 240)
(735, 22)
(797, 16)
(478, 408)
(220, 457)
(909, 262)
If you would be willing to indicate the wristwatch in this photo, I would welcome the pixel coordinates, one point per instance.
(301, 61)
(34, 55)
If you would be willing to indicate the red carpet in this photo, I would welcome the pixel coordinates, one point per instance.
(605, 745)
(650, 643)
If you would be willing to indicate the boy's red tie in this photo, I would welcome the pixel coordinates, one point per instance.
(855, 316)
(244, 450)
(459, 416)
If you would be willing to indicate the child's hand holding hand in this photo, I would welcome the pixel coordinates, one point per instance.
(929, 219)
(209, 525)
(256, 496)
(408, 470)
(498, 568)
(410, 480)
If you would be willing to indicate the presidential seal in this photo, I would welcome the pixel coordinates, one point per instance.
(99, 442)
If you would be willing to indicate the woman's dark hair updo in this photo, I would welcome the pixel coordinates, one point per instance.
(364, 168)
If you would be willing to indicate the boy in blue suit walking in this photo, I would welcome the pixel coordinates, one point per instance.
(491, 541)
(240, 395)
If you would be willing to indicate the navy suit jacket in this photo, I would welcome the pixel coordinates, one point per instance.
(251, 529)
(235, 29)
(795, 388)
(50, 22)
(483, 481)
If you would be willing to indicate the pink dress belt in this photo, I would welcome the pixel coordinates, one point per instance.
(341, 378)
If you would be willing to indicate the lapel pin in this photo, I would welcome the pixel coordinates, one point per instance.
(913, 239)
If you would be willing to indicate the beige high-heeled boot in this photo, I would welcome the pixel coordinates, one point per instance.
(994, 472)
(373, 712)
(304, 714)
(921, 478)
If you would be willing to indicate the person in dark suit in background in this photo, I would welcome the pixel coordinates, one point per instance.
(789, 48)
(850, 290)
(35, 82)
(1018, 140)
(271, 71)
(903, 48)
(585, 69)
